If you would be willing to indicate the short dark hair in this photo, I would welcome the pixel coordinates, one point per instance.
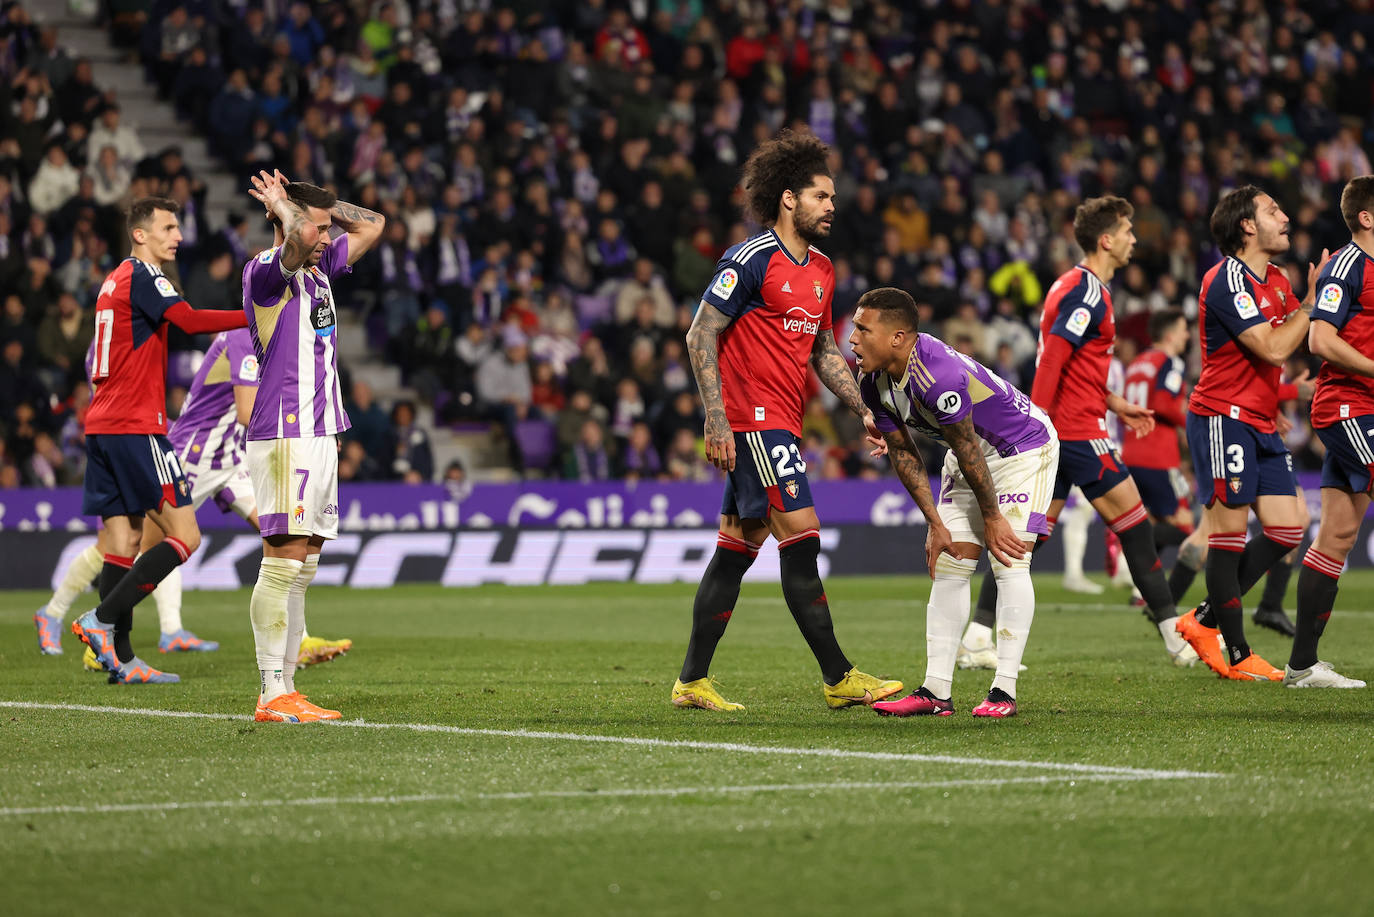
(1162, 321)
(1357, 196)
(1097, 215)
(141, 211)
(789, 162)
(896, 305)
(304, 194)
(1234, 206)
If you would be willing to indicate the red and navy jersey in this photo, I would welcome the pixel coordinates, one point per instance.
(777, 306)
(1078, 309)
(129, 365)
(1234, 382)
(1154, 380)
(1345, 295)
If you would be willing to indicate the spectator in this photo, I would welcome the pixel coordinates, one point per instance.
(371, 428)
(56, 183)
(413, 459)
(588, 460)
(111, 131)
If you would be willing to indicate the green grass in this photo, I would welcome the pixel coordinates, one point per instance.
(1286, 827)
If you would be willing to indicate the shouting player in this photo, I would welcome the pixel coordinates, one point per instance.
(297, 416)
(1077, 333)
(1342, 334)
(764, 316)
(1003, 452)
(1250, 321)
(131, 469)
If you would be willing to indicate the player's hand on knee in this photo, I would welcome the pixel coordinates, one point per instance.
(938, 541)
(1004, 543)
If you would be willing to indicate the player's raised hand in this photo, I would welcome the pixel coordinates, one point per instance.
(1140, 420)
(1305, 385)
(938, 541)
(1313, 270)
(1003, 543)
(720, 441)
(267, 188)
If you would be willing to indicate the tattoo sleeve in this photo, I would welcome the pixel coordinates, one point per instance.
(293, 219)
(906, 461)
(966, 445)
(351, 217)
(834, 371)
(703, 352)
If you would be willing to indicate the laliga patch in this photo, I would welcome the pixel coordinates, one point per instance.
(267, 256)
(1330, 300)
(1245, 305)
(1174, 381)
(248, 369)
(949, 403)
(725, 283)
(1078, 321)
(164, 286)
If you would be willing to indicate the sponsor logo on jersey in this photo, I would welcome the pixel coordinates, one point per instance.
(1078, 321)
(791, 488)
(1330, 300)
(949, 403)
(809, 325)
(164, 286)
(1013, 498)
(725, 283)
(786, 287)
(248, 369)
(820, 290)
(1245, 305)
(330, 509)
(107, 288)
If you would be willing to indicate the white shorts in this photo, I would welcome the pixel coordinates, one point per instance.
(296, 482)
(230, 487)
(1024, 482)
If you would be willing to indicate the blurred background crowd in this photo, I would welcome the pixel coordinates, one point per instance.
(561, 177)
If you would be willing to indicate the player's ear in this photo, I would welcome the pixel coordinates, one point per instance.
(789, 200)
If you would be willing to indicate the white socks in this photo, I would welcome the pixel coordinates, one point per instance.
(1015, 609)
(946, 614)
(295, 618)
(75, 581)
(268, 610)
(167, 596)
(1074, 524)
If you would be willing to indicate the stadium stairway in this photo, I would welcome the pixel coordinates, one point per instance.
(155, 120)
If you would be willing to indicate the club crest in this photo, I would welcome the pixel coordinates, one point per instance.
(791, 488)
(820, 290)
(1235, 485)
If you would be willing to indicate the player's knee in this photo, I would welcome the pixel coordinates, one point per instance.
(1019, 568)
(948, 566)
(190, 539)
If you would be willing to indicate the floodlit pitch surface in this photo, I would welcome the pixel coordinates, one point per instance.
(511, 750)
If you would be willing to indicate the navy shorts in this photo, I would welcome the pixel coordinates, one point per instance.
(128, 474)
(1235, 463)
(769, 475)
(1162, 490)
(1093, 465)
(1349, 462)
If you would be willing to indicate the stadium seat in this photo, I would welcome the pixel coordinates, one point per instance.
(538, 443)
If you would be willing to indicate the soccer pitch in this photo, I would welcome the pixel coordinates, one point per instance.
(512, 750)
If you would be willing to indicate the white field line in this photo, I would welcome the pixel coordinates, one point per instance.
(425, 798)
(732, 747)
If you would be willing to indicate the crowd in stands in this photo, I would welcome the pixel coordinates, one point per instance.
(560, 178)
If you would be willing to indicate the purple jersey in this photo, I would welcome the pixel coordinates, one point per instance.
(207, 432)
(292, 320)
(942, 386)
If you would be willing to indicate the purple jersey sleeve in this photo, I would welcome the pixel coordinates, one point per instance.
(882, 417)
(942, 382)
(264, 278)
(243, 362)
(334, 261)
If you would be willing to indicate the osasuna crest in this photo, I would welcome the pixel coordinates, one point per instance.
(820, 290)
(1235, 485)
(791, 488)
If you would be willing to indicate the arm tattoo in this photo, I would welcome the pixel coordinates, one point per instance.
(350, 217)
(906, 461)
(702, 349)
(293, 219)
(834, 371)
(967, 448)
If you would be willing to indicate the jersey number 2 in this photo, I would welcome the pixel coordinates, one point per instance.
(788, 460)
